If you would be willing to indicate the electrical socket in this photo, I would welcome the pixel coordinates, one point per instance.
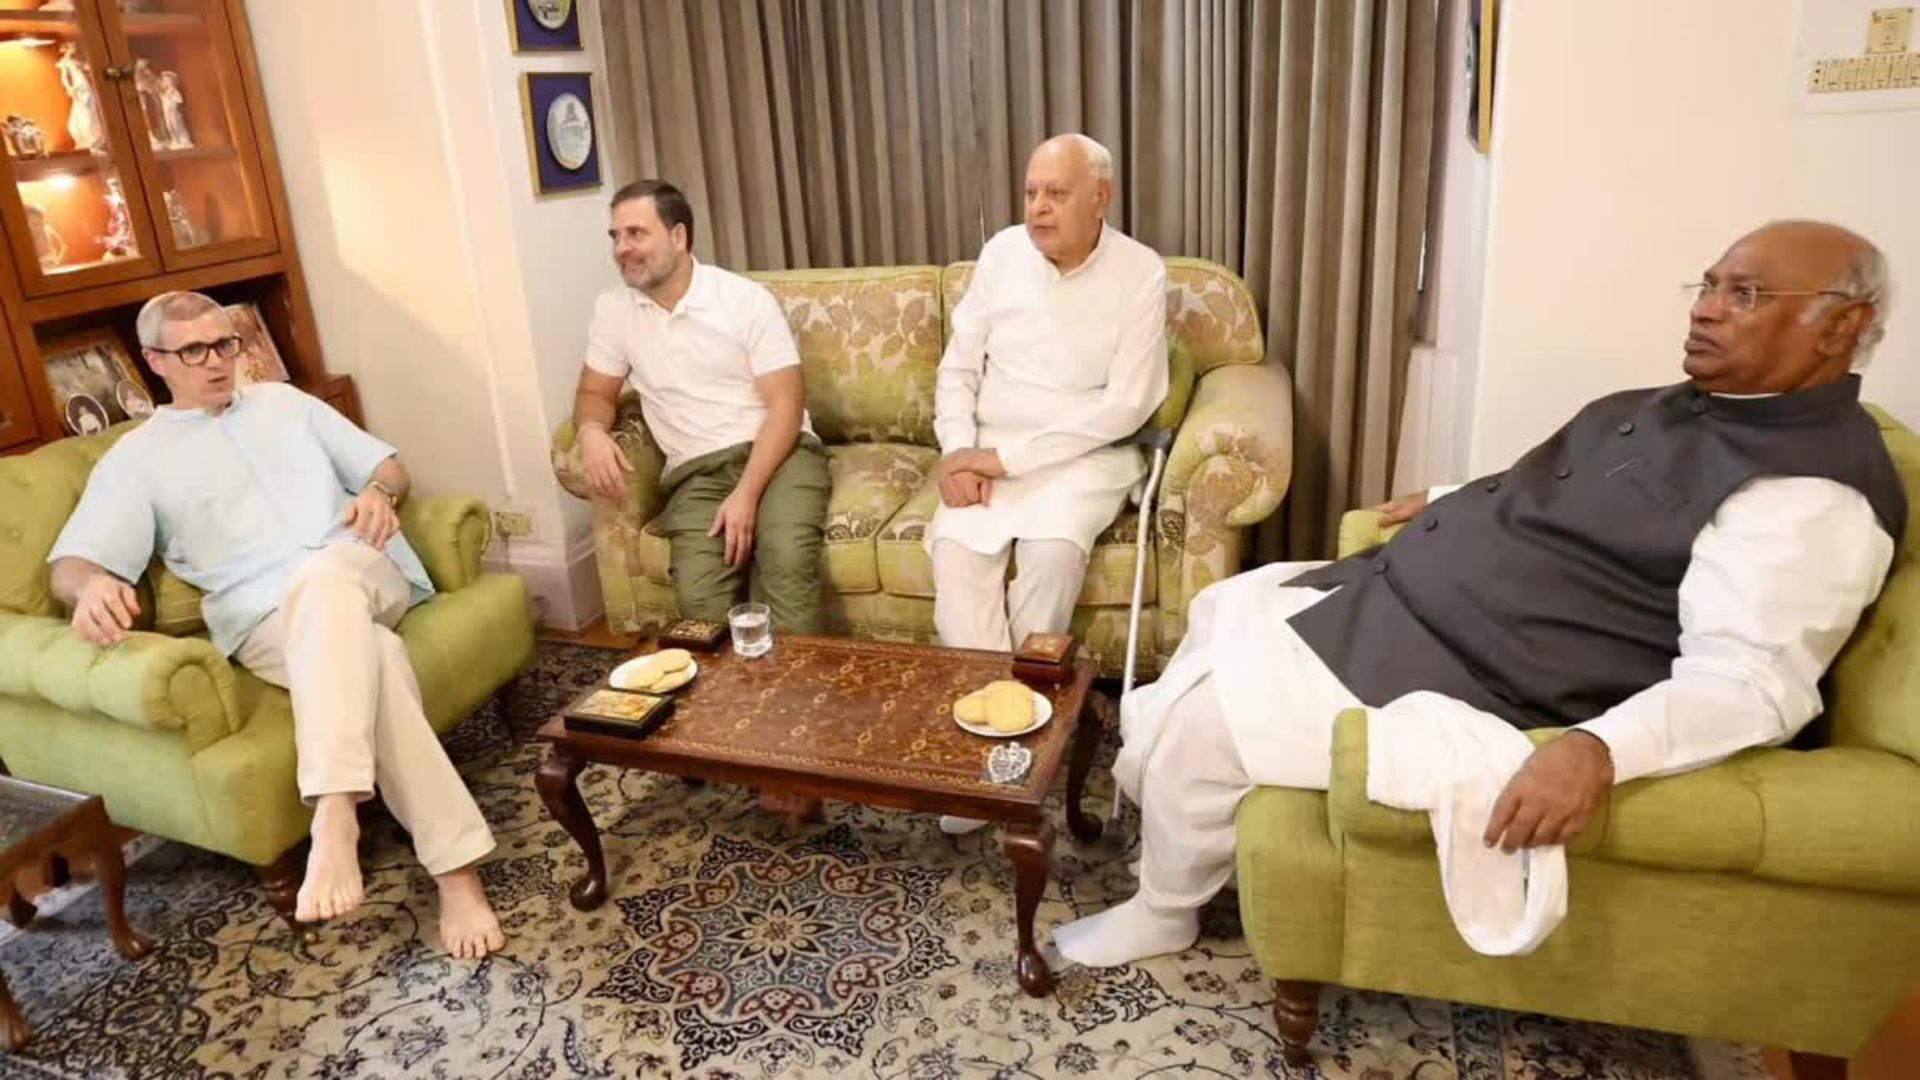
(513, 523)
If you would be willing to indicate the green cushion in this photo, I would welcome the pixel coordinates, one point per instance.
(871, 481)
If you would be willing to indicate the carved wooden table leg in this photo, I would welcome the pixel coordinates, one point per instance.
(20, 910)
(13, 1026)
(1088, 730)
(111, 870)
(556, 783)
(1296, 1010)
(1030, 847)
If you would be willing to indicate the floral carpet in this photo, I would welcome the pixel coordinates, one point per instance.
(867, 945)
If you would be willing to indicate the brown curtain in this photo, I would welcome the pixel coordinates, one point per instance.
(1286, 139)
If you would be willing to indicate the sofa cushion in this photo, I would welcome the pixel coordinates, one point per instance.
(870, 482)
(870, 343)
(907, 570)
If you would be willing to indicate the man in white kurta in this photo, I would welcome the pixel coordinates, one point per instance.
(1774, 585)
(1058, 352)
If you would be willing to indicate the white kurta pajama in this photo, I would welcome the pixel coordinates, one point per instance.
(1776, 583)
(1049, 370)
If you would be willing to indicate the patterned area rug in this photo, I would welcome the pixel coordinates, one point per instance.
(869, 945)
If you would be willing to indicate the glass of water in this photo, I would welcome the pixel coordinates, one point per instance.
(752, 626)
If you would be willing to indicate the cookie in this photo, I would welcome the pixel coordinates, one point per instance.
(672, 680)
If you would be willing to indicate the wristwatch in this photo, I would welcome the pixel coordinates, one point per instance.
(392, 499)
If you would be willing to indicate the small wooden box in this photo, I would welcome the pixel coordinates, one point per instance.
(623, 714)
(1046, 659)
(694, 635)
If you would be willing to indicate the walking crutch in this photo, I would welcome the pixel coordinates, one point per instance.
(1159, 441)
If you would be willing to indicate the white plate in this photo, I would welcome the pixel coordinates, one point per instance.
(1042, 712)
(613, 680)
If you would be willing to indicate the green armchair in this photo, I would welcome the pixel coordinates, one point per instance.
(181, 742)
(1773, 898)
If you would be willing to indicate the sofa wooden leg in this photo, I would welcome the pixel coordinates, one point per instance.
(1818, 1066)
(1296, 1008)
(280, 885)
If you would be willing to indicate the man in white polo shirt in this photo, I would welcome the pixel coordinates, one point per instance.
(713, 361)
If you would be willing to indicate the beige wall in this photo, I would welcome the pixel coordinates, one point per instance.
(1634, 139)
(456, 300)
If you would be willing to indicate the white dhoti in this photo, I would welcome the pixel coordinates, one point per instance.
(1243, 703)
(357, 720)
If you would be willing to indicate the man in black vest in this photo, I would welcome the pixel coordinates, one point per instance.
(1668, 575)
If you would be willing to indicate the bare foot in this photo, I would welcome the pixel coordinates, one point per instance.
(332, 885)
(468, 928)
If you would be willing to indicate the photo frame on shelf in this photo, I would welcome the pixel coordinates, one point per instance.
(259, 360)
(544, 25)
(94, 381)
(563, 143)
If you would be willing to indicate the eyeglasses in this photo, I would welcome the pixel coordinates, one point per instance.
(1747, 297)
(194, 353)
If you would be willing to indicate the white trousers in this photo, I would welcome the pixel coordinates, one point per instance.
(1190, 792)
(975, 608)
(357, 720)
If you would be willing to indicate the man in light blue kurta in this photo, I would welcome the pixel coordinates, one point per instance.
(284, 514)
(235, 502)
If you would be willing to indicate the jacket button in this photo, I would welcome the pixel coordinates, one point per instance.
(1431, 524)
(1493, 484)
(1698, 406)
(1626, 428)
(1563, 472)
(1380, 566)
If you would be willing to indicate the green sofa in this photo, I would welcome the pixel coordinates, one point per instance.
(181, 742)
(1773, 898)
(870, 340)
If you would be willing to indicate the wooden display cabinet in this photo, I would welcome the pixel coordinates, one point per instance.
(153, 169)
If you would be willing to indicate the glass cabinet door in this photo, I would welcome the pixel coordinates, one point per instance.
(184, 100)
(74, 209)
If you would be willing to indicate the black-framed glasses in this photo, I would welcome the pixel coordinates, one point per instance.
(1746, 297)
(194, 353)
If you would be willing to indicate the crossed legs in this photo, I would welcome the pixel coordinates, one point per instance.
(358, 727)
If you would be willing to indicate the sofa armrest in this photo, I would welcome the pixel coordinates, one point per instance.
(1361, 529)
(450, 533)
(148, 681)
(1233, 457)
(1351, 815)
(643, 498)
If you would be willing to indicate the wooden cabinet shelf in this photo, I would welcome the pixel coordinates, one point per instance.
(82, 162)
(152, 25)
(39, 22)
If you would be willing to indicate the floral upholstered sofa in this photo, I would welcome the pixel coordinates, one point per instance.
(870, 339)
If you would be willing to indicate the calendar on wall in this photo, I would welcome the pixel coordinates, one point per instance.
(1856, 56)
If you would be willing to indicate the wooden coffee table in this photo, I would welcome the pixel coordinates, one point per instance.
(47, 827)
(858, 721)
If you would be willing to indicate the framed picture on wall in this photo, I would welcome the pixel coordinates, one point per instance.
(563, 145)
(544, 25)
(1483, 19)
(259, 360)
(94, 382)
